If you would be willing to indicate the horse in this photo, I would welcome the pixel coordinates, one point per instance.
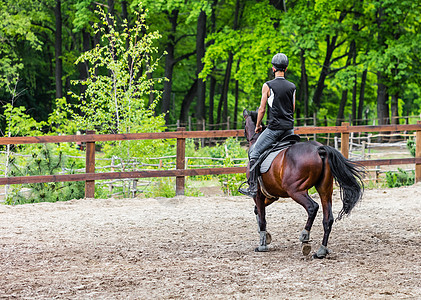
(293, 172)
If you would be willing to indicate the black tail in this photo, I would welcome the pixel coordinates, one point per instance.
(348, 175)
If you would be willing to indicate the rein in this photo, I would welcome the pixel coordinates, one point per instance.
(253, 136)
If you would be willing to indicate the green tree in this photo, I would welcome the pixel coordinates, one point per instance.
(116, 95)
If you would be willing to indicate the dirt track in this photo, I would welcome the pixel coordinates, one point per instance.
(203, 248)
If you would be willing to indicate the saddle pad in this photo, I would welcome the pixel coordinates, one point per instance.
(264, 167)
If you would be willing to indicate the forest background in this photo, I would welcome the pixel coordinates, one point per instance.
(350, 60)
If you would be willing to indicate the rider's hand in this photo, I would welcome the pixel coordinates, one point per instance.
(258, 129)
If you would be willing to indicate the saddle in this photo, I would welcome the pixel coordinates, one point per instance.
(265, 160)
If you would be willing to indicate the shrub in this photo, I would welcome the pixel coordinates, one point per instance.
(399, 178)
(410, 144)
(44, 162)
(230, 182)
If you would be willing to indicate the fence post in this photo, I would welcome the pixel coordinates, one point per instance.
(345, 141)
(180, 163)
(203, 128)
(90, 167)
(418, 154)
(314, 124)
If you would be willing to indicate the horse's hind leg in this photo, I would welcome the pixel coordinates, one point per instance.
(325, 191)
(311, 207)
(260, 211)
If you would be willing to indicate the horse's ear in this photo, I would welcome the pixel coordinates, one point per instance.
(245, 113)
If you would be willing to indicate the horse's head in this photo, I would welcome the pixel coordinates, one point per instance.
(250, 118)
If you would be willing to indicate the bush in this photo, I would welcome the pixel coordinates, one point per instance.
(230, 182)
(165, 187)
(44, 162)
(410, 144)
(400, 178)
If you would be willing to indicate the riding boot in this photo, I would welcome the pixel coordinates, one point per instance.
(252, 181)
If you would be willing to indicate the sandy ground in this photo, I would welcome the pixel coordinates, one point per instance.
(202, 248)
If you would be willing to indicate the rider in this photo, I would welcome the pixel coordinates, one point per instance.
(279, 94)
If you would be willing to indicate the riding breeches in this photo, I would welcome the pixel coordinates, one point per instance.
(265, 140)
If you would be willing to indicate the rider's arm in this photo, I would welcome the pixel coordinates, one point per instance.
(262, 108)
(293, 102)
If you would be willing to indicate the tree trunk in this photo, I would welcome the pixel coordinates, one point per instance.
(212, 87)
(83, 66)
(212, 84)
(188, 99)
(394, 108)
(227, 77)
(124, 12)
(340, 117)
(200, 53)
(382, 107)
(382, 97)
(236, 98)
(331, 44)
(304, 84)
(169, 66)
(110, 4)
(58, 50)
(353, 49)
(361, 100)
(223, 102)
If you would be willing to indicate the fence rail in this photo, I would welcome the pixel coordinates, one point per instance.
(180, 172)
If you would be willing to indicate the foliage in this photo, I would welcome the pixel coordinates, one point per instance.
(114, 99)
(228, 151)
(20, 123)
(44, 162)
(400, 178)
(410, 144)
(230, 182)
(117, 90)
(165, 187)
(386, 36)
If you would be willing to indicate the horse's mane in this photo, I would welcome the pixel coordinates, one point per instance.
(253, 115)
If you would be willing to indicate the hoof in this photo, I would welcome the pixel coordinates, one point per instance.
(321, 253)
(268, 238)
(316, 256)
(305, 248)
(261, 249)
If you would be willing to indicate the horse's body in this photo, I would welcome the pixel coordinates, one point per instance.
(297, 169)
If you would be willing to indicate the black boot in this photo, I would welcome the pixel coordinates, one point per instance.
(252, 181)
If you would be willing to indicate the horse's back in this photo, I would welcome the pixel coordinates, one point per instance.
(298, 167)
(303, 154)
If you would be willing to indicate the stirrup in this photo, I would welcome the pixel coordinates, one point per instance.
(247, 191)
(243, 191)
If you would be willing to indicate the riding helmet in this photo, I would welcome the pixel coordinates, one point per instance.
(280, 61)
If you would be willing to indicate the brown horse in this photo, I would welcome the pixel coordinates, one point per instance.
(293, 172)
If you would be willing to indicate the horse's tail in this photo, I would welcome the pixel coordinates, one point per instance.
(348, 175)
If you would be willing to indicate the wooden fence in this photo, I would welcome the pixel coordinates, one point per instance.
(180, 172)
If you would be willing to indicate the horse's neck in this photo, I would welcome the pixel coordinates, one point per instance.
(254, 138)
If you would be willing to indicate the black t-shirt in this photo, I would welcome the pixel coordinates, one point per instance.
(281, 104)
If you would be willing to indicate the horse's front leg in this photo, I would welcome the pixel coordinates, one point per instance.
(268, 235)
(260, 210)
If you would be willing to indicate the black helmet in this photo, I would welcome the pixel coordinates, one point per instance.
(280, 62)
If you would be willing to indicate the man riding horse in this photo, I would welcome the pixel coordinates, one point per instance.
(279, 94)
